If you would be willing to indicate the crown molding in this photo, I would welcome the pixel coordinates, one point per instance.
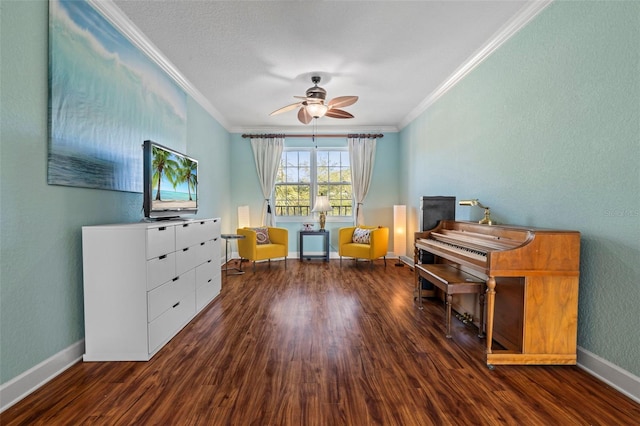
(122, 23)
(518, 22)
(292, 130)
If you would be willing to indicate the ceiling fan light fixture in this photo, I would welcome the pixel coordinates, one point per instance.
(312, 105)
(317, 110)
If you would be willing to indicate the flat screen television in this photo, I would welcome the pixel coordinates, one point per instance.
(170, 182)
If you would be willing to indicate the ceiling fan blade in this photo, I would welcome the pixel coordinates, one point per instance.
(304, 116)
(342, 101)
(338, 113)
(286, 108)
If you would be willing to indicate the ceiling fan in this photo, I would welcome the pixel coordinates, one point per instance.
(313, 106)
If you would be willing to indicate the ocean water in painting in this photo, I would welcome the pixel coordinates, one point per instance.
(106, 97)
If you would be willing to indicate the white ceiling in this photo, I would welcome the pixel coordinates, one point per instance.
(249, 58)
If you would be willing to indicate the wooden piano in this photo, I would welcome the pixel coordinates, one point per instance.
(532, 286)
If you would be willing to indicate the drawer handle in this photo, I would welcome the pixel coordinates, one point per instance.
(164, 256)
(175, 279)
(202, 223)
(209, 280)
(185, 225)
(162, 228)
(176, 304)
(185, 249)
(209, 261)
(202, 243)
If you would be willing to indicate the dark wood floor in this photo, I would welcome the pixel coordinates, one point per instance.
(320, 344)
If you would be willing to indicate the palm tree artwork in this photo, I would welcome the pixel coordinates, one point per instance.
(176, 171)
(187, 173)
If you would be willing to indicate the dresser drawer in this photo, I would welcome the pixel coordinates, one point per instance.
(205, 294)
(163, 328)
(168, 295)
(207, 283)
(160, 240)
(160, 270)
(206, 272)
(190, 257)
(192, 233)
(205, 252)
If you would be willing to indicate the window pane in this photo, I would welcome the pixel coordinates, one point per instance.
(323, 158)
(323, 174)
(304, 174)
(304, 158)
(345, 175)
(334, 158)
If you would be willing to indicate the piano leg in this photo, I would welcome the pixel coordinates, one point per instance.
(481, 323)
(448, 315)
(491, 300)
(419, 294)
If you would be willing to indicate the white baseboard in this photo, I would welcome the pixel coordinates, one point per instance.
(407, 260)
(611, 374)
(19, 387)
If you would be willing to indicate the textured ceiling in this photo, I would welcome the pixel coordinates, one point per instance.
(248, 58)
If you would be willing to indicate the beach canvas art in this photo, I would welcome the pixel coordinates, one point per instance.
(105, 98)
(174, 182)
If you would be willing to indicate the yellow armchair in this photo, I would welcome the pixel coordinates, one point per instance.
(376, 248)
(278, 246)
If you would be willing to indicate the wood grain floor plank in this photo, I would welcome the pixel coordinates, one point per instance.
(320, 344)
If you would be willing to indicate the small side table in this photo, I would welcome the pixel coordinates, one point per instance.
(228, 238)
(324, 234)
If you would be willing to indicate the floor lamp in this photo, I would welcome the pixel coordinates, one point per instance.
(243, 217)
(399, 231)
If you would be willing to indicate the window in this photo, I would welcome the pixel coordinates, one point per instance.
(333, 178)
(293, 184)
(304, 173)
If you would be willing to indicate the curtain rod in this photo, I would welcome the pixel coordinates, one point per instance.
(351, 135)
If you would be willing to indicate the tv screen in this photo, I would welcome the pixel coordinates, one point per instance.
(170, 182)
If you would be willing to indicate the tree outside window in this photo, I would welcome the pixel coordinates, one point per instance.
(304, 173)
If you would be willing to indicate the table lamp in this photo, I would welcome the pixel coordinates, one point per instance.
(322, 206)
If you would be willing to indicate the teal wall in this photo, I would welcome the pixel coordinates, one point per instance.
(378, 206)
(546, 132)
(41, 299)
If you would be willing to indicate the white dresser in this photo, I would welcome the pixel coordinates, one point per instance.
(143, 282)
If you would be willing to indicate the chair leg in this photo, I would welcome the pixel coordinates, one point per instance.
(254, 266)
(285, 263)
(385, 261)
(341, 261)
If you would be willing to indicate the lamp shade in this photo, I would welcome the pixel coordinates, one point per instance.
(321, 204)
(243, 217)
(399, 230)
(316, 110)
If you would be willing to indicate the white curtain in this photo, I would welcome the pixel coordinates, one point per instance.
(267, 152)
(362, 153)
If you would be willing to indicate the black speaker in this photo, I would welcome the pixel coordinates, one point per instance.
(435, 209)
(432, 211)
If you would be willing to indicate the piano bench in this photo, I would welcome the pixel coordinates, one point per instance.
(452, 280)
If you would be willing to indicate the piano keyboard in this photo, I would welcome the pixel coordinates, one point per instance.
(465, 251)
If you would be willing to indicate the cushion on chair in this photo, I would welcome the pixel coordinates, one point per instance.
(361, 236)
(262, 235)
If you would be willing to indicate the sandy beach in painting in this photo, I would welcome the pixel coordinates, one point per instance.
(173, 204)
